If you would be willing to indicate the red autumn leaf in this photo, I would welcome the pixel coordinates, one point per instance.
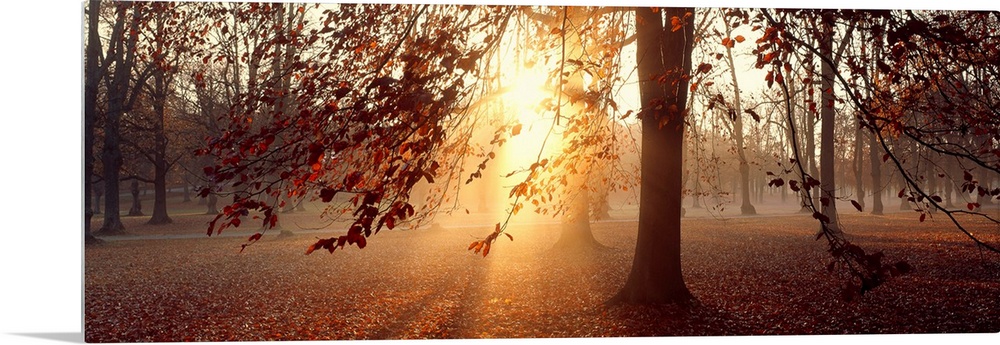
(515, 130)
(675, 24)
(509, 236)
(922, 216)
(856, 205)
(739, 38)
(900, 195)
(885, 157)
(768, 57)
(322, 243)
(254, 237)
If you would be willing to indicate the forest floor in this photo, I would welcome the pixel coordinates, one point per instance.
(750, 275)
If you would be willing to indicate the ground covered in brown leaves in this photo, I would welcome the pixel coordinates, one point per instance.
(752, 275)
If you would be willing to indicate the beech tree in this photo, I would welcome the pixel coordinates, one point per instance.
(664, 63)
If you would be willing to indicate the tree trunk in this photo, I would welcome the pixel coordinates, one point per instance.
(746, 208)
(904, 205)
(120, 96)
(210, 204)
(160, 198)
(828, 186)
(656, 276)
(93, 77)
(949, 188)
(576, 234)
(160, 165)
(876, 171)
(810, 152)
(858, 162)
(97, 198)
(696, 171)
(809, 135)
(136, 209)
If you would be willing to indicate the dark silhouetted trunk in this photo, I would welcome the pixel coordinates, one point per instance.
(92, 77)
(160, 197)
(656, 276)
(876, 171)
(858, 163)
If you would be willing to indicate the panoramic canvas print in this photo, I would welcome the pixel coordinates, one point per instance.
(322, 171)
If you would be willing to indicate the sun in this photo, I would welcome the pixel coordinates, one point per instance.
(525, 106)
(525, 95)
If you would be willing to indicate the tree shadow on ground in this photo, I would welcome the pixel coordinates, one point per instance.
(696, 319)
